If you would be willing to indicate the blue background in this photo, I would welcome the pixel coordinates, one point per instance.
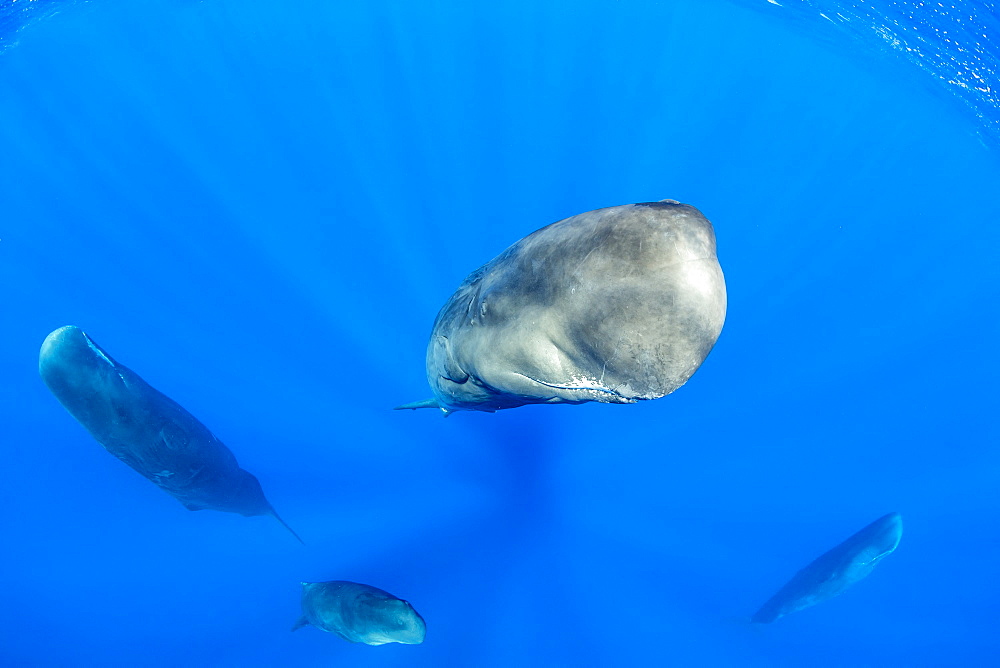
(259, 207)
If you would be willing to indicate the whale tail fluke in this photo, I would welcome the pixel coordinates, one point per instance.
(414, 405)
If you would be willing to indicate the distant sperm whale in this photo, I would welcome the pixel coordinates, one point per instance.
(836, 570)
(145, 429)
(360, 613)
(614, 305)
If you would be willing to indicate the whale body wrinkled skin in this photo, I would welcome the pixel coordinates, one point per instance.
(360, 613)
(146, 429)
(615, 305)
(836, 570)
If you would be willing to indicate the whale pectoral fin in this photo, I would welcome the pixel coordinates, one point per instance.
(414, 405)
(174, 437)
(191, 505)
(300, 623)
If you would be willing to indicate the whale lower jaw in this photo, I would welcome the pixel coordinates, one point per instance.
(578, 391)
(591, 390)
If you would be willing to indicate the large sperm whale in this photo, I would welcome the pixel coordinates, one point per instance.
(615, 305)
(836, 570)
(146, 429)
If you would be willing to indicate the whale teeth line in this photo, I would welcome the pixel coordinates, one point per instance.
(98, 351)
(104, 357)
(570, 387)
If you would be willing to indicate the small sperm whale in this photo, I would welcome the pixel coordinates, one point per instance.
(360, 613)
(615, 305)
(146, 429)
(834, 571)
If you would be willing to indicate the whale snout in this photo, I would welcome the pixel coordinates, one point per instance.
(413, 628)
(70, 363)
(61, 340)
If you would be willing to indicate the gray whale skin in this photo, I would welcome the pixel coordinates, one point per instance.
(836, 570)
(360, 613)
(614, 305)
(146, 429)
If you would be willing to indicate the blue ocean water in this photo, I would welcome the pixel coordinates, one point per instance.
(260, 208)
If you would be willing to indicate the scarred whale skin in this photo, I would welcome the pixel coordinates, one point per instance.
(146, 429)
(836, 570)
(360, 613)
(615, 305)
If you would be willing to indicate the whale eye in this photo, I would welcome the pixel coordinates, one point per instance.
(482, 309)
(121, 414)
